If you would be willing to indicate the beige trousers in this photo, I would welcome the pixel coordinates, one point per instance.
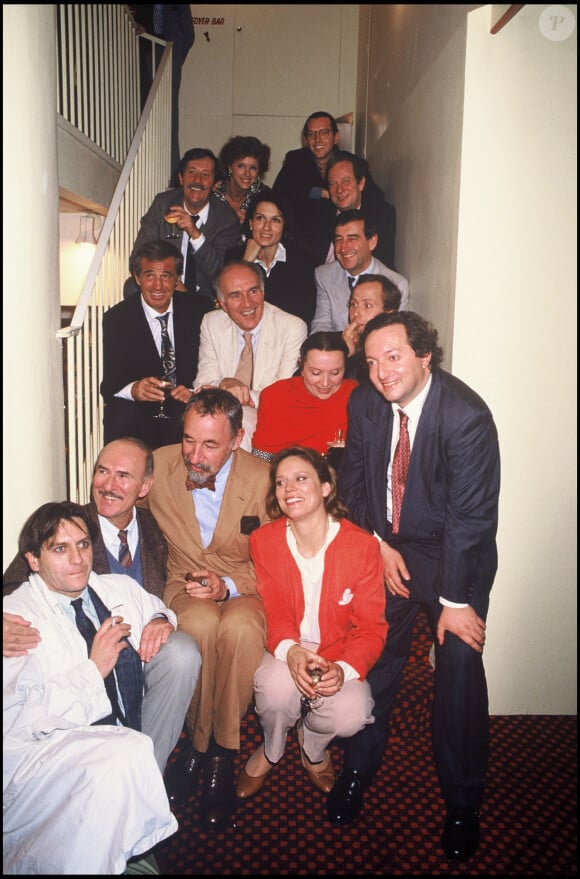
(278, 707)
(231, 638)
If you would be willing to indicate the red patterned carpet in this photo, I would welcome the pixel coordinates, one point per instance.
(528, 821)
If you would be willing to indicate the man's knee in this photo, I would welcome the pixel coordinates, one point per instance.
(178, 658)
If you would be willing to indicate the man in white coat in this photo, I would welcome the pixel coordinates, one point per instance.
(354, 242)
(247, 344)
(82, 794)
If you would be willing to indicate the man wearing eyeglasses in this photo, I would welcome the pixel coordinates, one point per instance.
(301, 181)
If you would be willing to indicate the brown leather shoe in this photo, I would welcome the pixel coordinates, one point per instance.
(322, 774)
(248, 785)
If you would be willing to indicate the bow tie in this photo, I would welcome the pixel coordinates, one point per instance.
(209, 483)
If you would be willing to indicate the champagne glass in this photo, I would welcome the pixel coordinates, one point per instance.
(174, 232)
(308, 702)
(161, 414)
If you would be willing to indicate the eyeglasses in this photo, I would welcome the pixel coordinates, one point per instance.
(322, 132)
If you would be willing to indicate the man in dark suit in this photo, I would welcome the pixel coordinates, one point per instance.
(302, 183)
(134, 369)
(206, 226)
(349, 188)
(439, 552)
(171, 22)
(122, 475)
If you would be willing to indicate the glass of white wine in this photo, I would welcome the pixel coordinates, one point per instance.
(171, 220)
(161, 415)
(309, 702)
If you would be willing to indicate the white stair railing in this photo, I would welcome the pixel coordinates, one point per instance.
(145, 171)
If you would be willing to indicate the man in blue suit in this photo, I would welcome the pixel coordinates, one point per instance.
(440, 556)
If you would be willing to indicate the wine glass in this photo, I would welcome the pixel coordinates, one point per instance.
(308, 702)
(174, 232)
(161, 414)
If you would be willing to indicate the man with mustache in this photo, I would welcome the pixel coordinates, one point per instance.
(207, 226)
(208, 497)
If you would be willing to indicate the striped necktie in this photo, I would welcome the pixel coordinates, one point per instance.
(124, 552)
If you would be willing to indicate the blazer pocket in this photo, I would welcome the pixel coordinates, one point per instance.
(347, 597)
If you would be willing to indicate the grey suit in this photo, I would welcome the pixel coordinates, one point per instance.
(333, 293)
(221, 232)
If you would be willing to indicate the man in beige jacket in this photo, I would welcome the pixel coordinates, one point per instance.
(208, 496)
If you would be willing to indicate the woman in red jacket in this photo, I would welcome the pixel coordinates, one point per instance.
(321, 580)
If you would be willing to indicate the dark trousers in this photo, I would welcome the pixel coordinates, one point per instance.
(459, 721)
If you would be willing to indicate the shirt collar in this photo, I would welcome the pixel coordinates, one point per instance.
(110, 532)
(203, 214)
(151, 314)
(279, 256)
(415, 407)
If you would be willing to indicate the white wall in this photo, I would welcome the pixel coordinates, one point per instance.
(262, 69)
(515, 342)
(34, 468)
(479, 158)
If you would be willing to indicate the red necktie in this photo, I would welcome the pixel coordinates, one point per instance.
(399, 471)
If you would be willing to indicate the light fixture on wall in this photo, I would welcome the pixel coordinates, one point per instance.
(88, 229)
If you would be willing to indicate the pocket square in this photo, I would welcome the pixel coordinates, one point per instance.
(249, 524)
(347, 597)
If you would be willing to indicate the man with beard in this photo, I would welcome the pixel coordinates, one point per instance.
(208, 497)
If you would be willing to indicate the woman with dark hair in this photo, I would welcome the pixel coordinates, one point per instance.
(244, 160)
(320, 578)
(288, 267)
(309, 408)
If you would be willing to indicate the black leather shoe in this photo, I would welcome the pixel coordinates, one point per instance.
(182, 776)
(460, 838)
(218, 800)
(345, 799)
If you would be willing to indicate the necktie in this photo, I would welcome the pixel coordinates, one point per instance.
(167, 352)
(351, 281)
(399, 470)
(124, 552)
(190, 269)
(128, 670)
(246, 365)
(209, 483)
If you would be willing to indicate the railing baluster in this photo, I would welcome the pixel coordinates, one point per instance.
(98, 67)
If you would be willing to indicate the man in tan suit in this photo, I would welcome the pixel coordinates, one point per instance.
(208, 496)
(276, 337)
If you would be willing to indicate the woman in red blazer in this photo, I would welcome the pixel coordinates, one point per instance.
(321, 581)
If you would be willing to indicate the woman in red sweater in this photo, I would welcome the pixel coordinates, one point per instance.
(321, 580)
(308, 409)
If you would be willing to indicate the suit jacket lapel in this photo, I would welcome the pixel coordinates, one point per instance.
(183, 500)
(232, 508)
